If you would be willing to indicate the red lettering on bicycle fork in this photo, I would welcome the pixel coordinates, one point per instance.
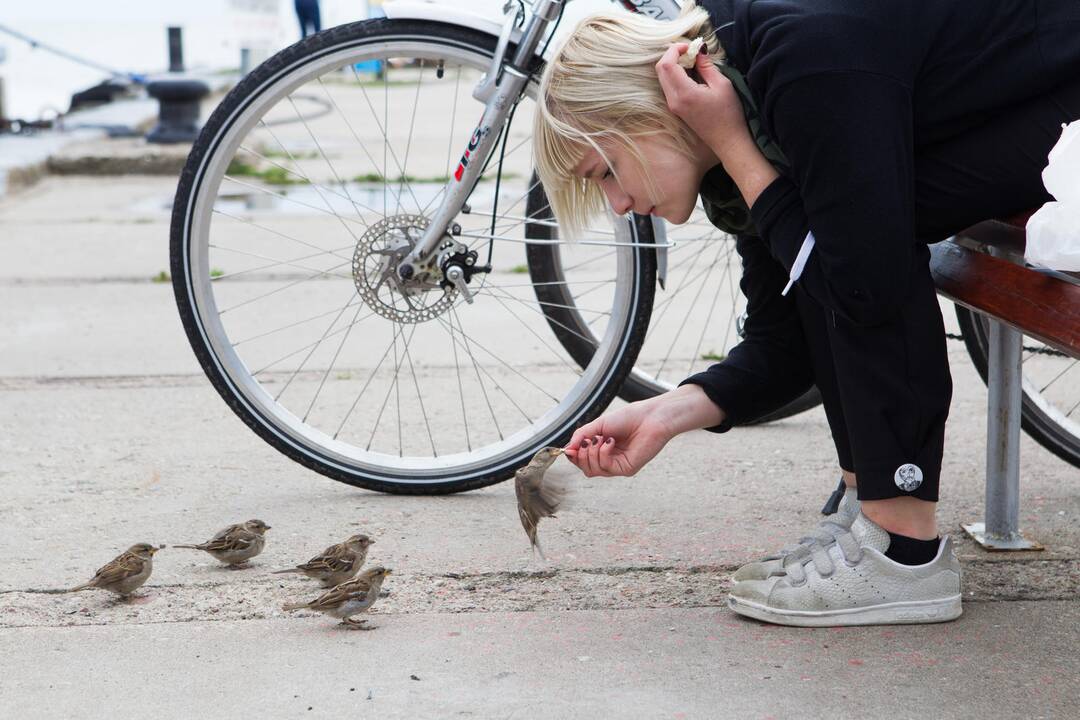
(474, 142)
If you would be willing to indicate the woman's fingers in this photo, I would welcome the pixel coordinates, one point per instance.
(668, 67)
(604, 456)
(585, 431)
(674, 81)
(594, 454)
(708, 72)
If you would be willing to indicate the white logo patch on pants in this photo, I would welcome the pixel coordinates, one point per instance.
(908, 477)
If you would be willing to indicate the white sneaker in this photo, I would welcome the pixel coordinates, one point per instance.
(851, 582)
(825, 534)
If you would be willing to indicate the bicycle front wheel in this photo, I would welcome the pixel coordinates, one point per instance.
(310, 180)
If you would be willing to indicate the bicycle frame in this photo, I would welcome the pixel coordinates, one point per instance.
(500, 88)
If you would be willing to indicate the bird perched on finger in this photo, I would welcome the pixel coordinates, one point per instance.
(235, 544)
(337, 563)
(349, 598)
(125, 573)
(538, 496)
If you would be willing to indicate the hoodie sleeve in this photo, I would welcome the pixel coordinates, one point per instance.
(771, 366)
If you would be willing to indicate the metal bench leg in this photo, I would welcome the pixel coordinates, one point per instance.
(1001, 531)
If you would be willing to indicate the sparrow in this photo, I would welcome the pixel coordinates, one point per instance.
(235, 544)
(538, 497)
(348, 598)
(337, 563)
(125, 573)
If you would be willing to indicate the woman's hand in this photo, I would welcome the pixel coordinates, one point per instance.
(712, 110)
(620, 442)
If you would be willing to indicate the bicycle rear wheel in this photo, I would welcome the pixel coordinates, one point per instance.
(695, 321)
(1050, 405)
(310, 179)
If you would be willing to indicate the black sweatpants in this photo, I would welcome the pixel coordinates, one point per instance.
(991, 168)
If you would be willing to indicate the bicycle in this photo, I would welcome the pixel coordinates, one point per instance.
(321, 252)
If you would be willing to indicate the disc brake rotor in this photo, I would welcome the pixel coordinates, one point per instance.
(421, 298)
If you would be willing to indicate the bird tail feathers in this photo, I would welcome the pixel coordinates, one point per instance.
(288, 570)
(190, 547)
(294, 606)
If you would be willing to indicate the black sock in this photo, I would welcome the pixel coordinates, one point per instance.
(909, 551)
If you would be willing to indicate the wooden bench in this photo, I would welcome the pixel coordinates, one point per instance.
(982, 268)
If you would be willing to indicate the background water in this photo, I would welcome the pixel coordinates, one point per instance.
(130, 36)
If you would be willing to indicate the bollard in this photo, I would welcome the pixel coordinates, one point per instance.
(178, 99)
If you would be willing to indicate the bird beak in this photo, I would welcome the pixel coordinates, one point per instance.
(558, 451)
(387, 572)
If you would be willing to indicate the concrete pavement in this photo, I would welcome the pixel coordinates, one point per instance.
(112, 435)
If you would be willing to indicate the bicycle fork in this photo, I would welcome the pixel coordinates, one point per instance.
(499, 88)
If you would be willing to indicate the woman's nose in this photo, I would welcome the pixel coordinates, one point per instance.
(620, 202)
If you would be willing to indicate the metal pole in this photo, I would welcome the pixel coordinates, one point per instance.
(1004, 380)
(1003, 433)
(176, 50)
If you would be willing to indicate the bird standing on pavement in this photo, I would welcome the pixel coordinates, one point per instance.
(235, 544)
(349, 598)
(538, 497)
(337, 563)
(125, 573)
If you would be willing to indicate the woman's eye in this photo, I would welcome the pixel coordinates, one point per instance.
(606, 175)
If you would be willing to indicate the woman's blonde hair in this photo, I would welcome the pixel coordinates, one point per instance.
(601, 88)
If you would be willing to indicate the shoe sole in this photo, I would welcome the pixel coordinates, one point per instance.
(898, 613)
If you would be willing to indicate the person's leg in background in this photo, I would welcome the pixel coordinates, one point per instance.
(307, 14)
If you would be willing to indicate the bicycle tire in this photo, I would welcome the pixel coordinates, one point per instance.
(287, 63)
(1036, 416)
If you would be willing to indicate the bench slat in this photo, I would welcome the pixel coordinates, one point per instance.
(1041, 306)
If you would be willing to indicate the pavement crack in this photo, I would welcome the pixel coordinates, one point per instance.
(546, 589)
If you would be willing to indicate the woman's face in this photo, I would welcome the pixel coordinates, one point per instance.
(677, 179)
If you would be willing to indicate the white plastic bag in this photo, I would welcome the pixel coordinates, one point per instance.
(1053, 233)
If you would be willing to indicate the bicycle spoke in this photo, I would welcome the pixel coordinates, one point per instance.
(533, 241)
(505, 364)
(275, 292)
(393, 382)
(261, 335)
(591, 341)
(264, 368)
(408, 142)
(298, 173)
(686, 317)
(314, 348)
(367, 383)
(704, 328)
(490, 377)
(420, 399)
(1057, 377)
(573, 368)
(278, 263)
(333, 361)
(476, 369)
(461, 391)
(286, 198)
(334, 251)
(387, 149)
